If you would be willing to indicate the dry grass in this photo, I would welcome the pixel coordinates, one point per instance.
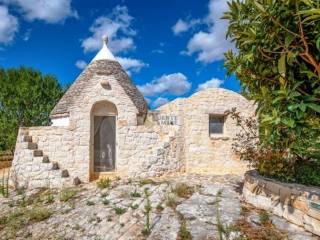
(183, 190)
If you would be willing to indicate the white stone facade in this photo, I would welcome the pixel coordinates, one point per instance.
(173, 138)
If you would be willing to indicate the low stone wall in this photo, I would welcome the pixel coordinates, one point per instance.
(297, 203)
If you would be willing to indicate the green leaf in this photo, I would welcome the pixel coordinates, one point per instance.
(288, 40)
(282, 65)
(314, 107)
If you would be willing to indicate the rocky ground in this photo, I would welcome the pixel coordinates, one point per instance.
(182, 207)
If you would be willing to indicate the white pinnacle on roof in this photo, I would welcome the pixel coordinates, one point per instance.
(104, 53)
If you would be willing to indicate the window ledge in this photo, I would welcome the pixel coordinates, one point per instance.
(219, 137)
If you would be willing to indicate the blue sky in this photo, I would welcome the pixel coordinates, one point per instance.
(171, 48)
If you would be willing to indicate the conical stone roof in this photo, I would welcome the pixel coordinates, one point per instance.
(103, 64)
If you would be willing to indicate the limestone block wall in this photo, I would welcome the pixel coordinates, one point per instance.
(202, 152)
(297, 203)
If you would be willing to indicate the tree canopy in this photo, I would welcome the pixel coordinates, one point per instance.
(26, 99)
(278, 65)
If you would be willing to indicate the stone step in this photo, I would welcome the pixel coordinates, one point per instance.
(64, 173)
(45, 159)
(37, 153)
(55, 166)
(32, 146)
(27, 138)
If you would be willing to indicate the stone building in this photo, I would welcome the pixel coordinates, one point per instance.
(102, 126)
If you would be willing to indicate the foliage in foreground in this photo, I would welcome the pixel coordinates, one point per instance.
(278, 65)
(26, 99)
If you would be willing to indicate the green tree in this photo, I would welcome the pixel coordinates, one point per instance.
(26, 99)
(278, 65)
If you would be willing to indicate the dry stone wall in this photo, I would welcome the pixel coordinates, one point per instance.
(202, 152)
(173, 138)
(297, 203)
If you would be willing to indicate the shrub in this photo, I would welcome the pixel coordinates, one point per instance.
(66, 194)
(183, 190)
(103, 183)
(39, 214)
(281, 76)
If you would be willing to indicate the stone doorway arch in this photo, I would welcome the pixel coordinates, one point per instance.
(103, 133)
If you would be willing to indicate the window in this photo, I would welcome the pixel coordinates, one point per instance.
(216, 123)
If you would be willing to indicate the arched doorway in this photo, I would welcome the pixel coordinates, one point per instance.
(103, 137)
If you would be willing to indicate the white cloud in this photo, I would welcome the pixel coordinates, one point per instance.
(81, 64)
(131, 64)
(8, 26)
(159, 102)
(210, 44)
(180, 26)
(175, 84)
(183, 26)
(50, 11)
(118, 28)
(213, 83)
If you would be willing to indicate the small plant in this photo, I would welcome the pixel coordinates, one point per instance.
(4, 185)
(135, 194)
(146, 181)
(106, 202)
(134, 206)
(90, 203)
(264, 217)
(109, 219)
(119, 210)
(39, 214)
(147, 210)
(184, 233)
(49, 199)
(118, 178)
(104, 183)
(66, 194)
(183, 190)
(171, 202)
(159, 208)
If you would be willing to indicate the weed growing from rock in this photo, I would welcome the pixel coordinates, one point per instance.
(184, 233)
(147, 211)
(103, 183)
(159, 208)
(183, 190)
(135, 194)
(119, 210)
(134, 206)
(264, 217)
(39, 214)
(66, 194)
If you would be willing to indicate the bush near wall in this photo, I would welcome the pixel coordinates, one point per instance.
(278, 65)
(26, 99)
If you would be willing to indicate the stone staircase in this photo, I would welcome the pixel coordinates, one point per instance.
(41, 171)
